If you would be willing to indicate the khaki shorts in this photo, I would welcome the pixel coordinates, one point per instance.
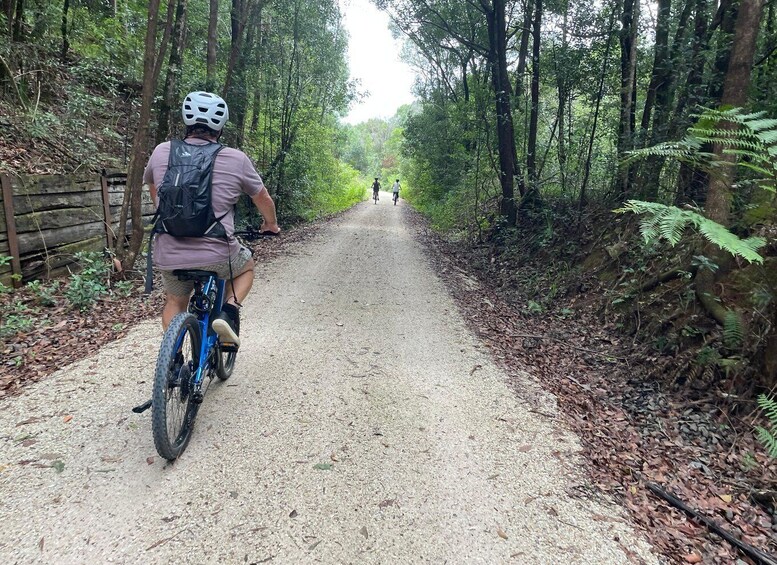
(184, 288)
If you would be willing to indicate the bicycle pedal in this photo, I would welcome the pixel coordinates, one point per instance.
(229, 348)
(142, 408)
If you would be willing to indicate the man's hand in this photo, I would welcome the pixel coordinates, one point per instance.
(268, 227)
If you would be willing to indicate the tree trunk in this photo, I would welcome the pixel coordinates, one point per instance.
(563, 96)
(174, 67)
(238, 17)
(523, 55)
(531, 152)
(236, 92)
(18, 22)
(497, 39)
(628, 42)
(134, 188)
(7, 7)
(661, 71)
(692, 185)
(657, 94)
(735, 89)
(65, 40)
(162, 49)
(213, 20)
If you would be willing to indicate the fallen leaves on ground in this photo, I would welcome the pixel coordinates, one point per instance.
(632, 428)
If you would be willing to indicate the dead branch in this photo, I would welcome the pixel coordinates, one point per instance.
(752, 552)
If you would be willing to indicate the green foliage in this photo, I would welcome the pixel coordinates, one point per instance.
(18, 318)
(45, 293)
(670, 222)
(768, 436)
(733, 331)
(124, 288)
(86, 286)
(753, 141)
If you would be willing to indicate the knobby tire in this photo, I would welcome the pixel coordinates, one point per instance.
(225, 363)
(172, 399)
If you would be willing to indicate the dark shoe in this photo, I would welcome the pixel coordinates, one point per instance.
(227, 326)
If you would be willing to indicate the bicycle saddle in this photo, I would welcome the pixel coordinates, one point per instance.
(194, 274)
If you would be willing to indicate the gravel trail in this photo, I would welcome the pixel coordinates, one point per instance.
(364, 423)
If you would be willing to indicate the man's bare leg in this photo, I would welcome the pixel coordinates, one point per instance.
(173, 305)
(240, 285)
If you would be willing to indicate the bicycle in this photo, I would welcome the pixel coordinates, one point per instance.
(396, 198)
(375, 196)
(190, 353)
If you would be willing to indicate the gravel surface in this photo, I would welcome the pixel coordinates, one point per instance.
(364, 423)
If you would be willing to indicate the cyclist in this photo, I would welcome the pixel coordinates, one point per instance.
(395, 190)
(376, 189)
(233, 174)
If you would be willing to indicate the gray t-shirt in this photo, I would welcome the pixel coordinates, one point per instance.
(233, 175)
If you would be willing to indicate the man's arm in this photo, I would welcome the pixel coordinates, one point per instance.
(152, 191)
(264, 203)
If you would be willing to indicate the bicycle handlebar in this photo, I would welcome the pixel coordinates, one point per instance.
(251, 234)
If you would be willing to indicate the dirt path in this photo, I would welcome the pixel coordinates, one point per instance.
(355, 357)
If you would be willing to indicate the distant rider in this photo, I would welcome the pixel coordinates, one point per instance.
(395, 190)
(376, 189)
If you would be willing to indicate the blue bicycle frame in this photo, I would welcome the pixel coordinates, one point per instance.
(198, 307)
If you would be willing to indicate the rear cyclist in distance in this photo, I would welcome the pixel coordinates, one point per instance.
(376, 189)
(205, 115)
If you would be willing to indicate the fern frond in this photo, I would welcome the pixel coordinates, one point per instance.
(728, 241)
(672, 225)
(768, 440)
(668, 222)
(762, 124)
(733, 332)
(769, 406)
(768, 137)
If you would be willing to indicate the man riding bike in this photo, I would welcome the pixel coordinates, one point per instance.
(233, 174)
(376, 189)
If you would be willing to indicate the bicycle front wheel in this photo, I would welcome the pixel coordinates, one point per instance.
(225, 363)
(172, 400)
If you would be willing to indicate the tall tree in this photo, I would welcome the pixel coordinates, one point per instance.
(133, 192)
(735, 94)
(170, 94)
(213, 21)
(65, 40)
(626, 124)
(531, 151)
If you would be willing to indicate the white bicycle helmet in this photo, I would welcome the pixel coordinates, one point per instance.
(205, 108)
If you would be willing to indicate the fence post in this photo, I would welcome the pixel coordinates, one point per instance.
(10, 223)
(106, 208)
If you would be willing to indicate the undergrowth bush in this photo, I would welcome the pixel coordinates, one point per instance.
(91, 282)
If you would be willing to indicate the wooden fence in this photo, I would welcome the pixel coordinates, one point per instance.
(45, 220)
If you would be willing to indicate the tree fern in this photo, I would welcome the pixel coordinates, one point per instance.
(670, 222)
(766, 436)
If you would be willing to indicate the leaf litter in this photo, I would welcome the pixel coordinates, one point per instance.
(632, 428)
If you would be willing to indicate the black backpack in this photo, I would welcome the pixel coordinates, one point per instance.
(185, 208)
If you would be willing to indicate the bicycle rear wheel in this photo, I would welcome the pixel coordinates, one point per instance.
(173, 406)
